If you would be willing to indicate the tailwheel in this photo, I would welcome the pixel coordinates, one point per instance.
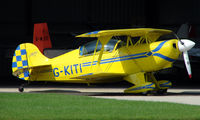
(21, 88)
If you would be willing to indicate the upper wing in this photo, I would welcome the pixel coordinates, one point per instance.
(147, 32)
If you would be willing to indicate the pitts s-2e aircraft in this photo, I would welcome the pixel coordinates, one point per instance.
(132, 54)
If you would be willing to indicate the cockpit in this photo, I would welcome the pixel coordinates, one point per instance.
(89, 47)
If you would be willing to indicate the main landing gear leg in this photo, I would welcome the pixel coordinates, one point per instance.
(161, 85)
(140, 84)
(147, 84)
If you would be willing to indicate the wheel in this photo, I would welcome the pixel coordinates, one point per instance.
(21, 89)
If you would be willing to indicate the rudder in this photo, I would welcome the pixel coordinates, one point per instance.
(20, 63)
(27, 57)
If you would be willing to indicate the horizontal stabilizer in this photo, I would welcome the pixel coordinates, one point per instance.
(26, 70)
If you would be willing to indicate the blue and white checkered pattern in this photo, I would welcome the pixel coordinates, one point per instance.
(20, 62)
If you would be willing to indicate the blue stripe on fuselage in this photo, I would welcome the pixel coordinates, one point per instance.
(116, 59)
(159, 46)
(163, 57)
(133, 56)
(123, 58)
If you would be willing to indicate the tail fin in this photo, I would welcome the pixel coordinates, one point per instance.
(41, 36)
(26, 57)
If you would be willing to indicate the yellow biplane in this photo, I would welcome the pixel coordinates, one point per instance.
(132, 54)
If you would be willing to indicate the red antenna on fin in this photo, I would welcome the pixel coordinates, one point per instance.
(41, 36)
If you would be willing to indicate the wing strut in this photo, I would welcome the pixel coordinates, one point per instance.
(104, 40)
(95, 50)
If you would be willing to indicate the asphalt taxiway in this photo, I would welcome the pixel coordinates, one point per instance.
(179, 95)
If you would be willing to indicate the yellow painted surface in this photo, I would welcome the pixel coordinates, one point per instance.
(122, 62)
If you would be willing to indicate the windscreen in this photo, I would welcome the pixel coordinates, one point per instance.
(89, 47)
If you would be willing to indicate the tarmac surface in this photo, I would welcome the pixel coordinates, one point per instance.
(175, 95)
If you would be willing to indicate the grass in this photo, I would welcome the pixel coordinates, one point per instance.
(32, 106)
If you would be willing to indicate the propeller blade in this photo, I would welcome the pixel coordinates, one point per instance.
(184, 45)
(187, 63)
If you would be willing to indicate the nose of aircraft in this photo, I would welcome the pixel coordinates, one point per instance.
(185, 45)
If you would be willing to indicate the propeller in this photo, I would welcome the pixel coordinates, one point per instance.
(184, 45)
